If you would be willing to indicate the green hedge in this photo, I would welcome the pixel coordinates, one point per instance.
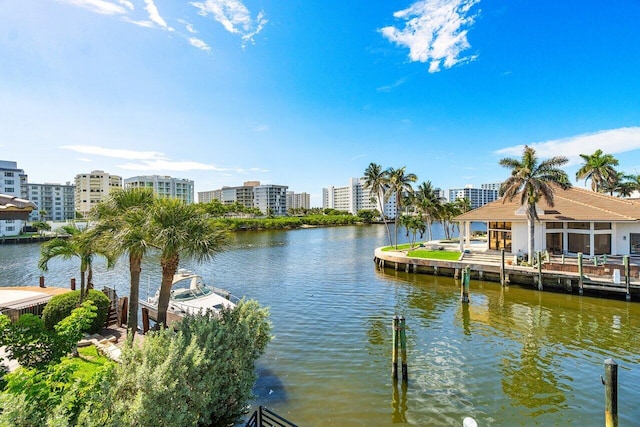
(61, 306)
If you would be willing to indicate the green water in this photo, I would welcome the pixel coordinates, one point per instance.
(512, 356)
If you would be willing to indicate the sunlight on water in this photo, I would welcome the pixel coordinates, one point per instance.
(512, 356)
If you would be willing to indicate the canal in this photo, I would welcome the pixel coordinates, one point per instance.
(513, 356)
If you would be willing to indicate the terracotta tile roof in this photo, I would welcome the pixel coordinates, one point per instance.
(574, 204)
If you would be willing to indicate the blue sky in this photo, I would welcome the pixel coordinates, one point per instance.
(308, 93)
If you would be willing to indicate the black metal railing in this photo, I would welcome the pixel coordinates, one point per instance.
(264, 417)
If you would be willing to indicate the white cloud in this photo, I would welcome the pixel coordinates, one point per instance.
(126, 4)
(234, 17)
(166, 165)
(612, 141)
(392, 86)
(102, 6)
(435, 31)
(154, 15)
(117, 153)
(200, 44)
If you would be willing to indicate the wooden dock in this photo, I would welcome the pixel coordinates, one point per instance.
(488, 266)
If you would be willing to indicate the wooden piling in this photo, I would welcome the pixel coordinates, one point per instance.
(42, 281)
(502, 267)
(611, 393)
(124, 310)
(394, 353)
(72, 283)
(539, 261)
(580, 274)
(406, 267)
(403, 348)
(466, 275)
(627, 276)
(145, 320)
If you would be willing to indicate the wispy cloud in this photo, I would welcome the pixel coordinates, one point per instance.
(612, 141)
(392, 86)
(113, 152)
(102, 6)
(200, 44)
(234, 17)
(154, 15)
(167, 165)
(435, 31)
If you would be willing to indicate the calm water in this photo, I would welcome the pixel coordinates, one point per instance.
(511, 357)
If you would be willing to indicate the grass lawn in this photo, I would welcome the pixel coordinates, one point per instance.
(87, 363)
(441, 255)
(402, 247)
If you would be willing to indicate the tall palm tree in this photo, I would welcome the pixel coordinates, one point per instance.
(376, 181)
(124, 218)
(428, 204)
(399, 183)
(181, 231)
(82, 244)
(533, 180)
(599, 168)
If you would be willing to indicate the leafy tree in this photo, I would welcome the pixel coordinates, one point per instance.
(399, 183)
(376, 181)
(40, 226)
(81, 244)
(124, 220)
(201, 375)
(61, 306)
(180, 230)
(368, 215)
(532, 180)
(428, 203)
(599, 168)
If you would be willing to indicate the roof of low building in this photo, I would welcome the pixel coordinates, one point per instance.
(573, 204)
(12, 207)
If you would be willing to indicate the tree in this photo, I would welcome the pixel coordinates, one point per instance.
(428, 203)
(376, 181)
(399, 183)
(124, 219)
(82, 244)
(599, 168)
(533, 180)
(180, 230)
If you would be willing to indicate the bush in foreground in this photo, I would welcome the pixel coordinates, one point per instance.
(200, 376)
(61, 306)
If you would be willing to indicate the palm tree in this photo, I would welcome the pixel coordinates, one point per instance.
(83, 244)
(428, 203)
(180, 230)
(533, 180)
(376, 181)
(399, 183)
(124, 218)
(599, 168)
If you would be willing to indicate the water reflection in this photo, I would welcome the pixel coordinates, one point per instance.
(399, 402)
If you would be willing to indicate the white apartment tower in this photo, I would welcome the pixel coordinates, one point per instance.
(56, 202)
(477, 196)
(92, 188)
(355, 197)
(298, 200)
(271, 199)
(13, 182)
(164, 186)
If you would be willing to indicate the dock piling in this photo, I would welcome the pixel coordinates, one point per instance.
(42, 281)
(72, 284)
(627, 276)
(610, 381)
(394, 353)
(403, 349)
(580, 274)
(539, 261)
(502, 267)
(466, 275)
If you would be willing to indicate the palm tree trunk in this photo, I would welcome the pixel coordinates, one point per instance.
(82, 286)
(531, 223)
(169, 267)
(384, 219)
(134, 293)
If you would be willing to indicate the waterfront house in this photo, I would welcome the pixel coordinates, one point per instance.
(13, 211)
(580, 221)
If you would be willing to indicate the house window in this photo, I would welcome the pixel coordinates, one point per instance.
(602, 226)
(580, 225)
(634, 241)
(602, 244)
(500, 240)
(554, 243)
(554, 225)
(578, 243)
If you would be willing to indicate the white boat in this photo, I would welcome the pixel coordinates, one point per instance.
(189, 295)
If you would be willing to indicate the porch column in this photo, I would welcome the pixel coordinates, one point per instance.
(467, 226)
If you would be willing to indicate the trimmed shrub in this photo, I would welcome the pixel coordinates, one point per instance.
(62, 305)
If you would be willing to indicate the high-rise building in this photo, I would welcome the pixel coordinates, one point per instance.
(270, 199)
(164, 186)
(298, 200)
(55, 202)
(477, 196)
(355, 197)
(13, 182)
(92, 188)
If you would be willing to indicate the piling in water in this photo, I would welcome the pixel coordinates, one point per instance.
(610, 393)
(580, 274)
(394, 352)
(466, 275)
(403, 348)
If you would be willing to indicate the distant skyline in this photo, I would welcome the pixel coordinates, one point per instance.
(307, 94)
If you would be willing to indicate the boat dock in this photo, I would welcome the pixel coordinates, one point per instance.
(602, 276)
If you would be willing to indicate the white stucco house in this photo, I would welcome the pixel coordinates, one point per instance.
(580, 221)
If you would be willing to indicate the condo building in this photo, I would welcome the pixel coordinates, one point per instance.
(354, 197)
(477, 196)
(12, 183)
(164, 186)
(268, 198)
(298, 200)
(55, 202)
(92, 188)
